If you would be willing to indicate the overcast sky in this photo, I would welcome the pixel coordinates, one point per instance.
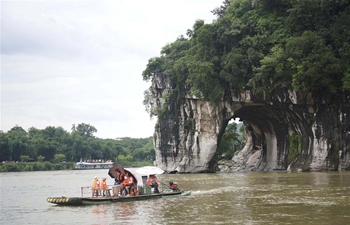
(71, 62)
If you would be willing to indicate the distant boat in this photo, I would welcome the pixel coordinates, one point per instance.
(93, 165)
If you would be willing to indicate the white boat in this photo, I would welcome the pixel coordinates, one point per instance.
(93, 165)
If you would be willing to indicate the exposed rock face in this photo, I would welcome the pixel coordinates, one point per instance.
(283, 131)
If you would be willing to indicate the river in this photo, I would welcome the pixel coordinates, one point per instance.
(222, 198)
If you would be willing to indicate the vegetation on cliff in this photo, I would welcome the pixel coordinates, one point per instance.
(52, 147)
(261, 46)
(232, 141)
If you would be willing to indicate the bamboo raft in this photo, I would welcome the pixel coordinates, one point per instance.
(76, 201)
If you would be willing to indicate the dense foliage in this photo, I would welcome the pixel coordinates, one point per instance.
(55, 145)
(261, 45)
(232, 141)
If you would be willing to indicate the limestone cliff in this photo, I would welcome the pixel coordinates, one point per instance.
(284, 130)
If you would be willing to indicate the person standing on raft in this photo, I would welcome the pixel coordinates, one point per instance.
(153, 183)
(104, 186)
(95, 187)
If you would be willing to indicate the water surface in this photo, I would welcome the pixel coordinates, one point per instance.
(221, 198)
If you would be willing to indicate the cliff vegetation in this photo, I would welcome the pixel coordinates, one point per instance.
(262, 46)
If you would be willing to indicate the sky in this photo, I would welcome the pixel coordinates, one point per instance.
(72, 62)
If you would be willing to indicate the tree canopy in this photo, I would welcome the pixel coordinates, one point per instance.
(56, 144)
(261, 46)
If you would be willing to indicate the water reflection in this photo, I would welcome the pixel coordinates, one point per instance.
(99, 214)
(142, 212)
(99, 209)
(126, 211)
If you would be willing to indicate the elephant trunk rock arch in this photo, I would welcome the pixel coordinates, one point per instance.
(282, 132)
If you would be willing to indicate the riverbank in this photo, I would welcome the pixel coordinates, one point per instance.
(47, 166)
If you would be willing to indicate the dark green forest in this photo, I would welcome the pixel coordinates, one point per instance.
(262, 46)
(54, 148)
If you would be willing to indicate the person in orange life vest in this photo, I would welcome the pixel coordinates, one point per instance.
(153, 183)
(95, 187)
(127, 183)
(104, 186)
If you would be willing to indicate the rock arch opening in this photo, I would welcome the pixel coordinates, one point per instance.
(231, 141)
(266, 131)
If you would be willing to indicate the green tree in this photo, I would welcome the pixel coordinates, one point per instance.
(55, 144)
(17, 143)
(24, 158)
(230, 142)
(5, 153)
(41, 158)
(219, 11)
(85, 130)
(59, 158)
(46, 148)
(262, 46)
(316, 69)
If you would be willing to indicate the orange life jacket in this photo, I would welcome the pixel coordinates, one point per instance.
(127, 182)
(104, 185)
(96, 184)
(151, 180)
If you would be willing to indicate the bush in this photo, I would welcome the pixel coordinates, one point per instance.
(48, 166)
(58, 166)
(10, 167)
(28, 167)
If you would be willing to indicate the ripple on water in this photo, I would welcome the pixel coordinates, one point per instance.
(223, 198)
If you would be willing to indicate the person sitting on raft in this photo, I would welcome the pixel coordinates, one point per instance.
(127, 184)
(153, 183)
(117, 184)
(118, 179)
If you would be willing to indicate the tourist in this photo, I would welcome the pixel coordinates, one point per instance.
(118, 179)
(153, 183)
(127, 184)
(117, 187)
(104, 186)
(95, 187)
